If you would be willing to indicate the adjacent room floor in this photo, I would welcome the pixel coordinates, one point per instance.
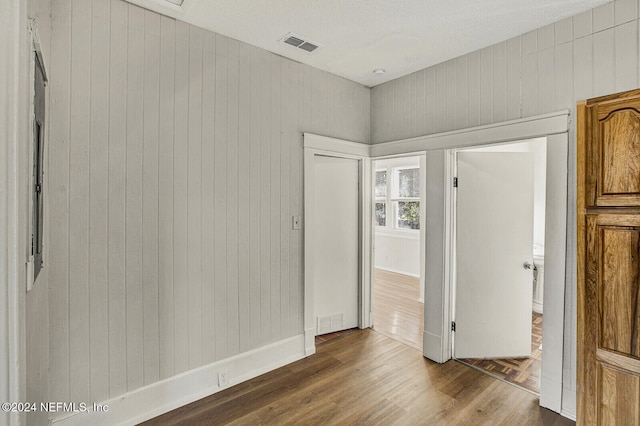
(397, 311)
(524, 372)
(400, 315)
(367, 378)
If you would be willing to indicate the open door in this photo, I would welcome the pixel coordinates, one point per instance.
(494, 245)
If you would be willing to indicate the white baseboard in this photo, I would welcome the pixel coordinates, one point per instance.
(568, 415)
(569, 404)
(537, 307)
(551, 393)
(150, 401)
(396, 271)
(432, 347)
(309, 341)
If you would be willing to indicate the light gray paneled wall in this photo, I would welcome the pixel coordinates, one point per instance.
(549, 69)
(176, 165)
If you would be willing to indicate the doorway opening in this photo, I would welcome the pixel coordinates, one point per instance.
(499, 260)
(337, 257)
(336, 237)
(398, 248)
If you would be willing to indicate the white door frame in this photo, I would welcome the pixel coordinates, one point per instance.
(439, 238)
(322, 145)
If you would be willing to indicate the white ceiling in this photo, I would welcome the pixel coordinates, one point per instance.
(358, 36)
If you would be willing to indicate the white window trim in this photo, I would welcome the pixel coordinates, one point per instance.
(385, 200)
(391, 201)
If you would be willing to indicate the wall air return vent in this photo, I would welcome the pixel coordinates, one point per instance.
(301, 43)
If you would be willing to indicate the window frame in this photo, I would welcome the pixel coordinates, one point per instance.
(392, 200)
(384, 200)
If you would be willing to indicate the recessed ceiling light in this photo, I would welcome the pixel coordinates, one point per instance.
(379, 71)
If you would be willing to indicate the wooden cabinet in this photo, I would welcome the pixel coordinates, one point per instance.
(609, 260)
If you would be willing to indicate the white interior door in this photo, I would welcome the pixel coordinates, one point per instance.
(494, 239)
(336, 259)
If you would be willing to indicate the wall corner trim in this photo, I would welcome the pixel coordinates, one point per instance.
(327, 144)
(166, 395)
(506, 131)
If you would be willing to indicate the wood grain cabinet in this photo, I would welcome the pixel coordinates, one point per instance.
(609, 260)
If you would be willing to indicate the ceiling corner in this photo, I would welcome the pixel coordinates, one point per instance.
(165, 7)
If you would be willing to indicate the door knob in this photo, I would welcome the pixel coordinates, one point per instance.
(527, 265)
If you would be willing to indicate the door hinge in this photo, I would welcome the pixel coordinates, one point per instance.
(453, 326)
(455, 182)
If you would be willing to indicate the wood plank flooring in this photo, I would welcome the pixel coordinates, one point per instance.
(324, 338)
(366, 378)
(523, 372)
(397, 312)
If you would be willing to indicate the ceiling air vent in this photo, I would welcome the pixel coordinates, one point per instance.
(300, 43)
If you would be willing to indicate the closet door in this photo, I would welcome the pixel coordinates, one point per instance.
(609, 260)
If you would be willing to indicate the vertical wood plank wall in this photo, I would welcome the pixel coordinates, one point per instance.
(176, 165)
(545, 70)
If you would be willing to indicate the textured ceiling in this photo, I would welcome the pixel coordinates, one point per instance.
(358, 36)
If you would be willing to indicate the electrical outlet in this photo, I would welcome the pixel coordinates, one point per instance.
(223, 379)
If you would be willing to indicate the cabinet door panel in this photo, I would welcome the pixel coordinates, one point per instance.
(617, 155)
(612, 361)
(618, 289)
(619, 397)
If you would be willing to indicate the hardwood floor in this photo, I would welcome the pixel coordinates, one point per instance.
(324, 338)
(366, 378)
(397, 312)
(523, 372)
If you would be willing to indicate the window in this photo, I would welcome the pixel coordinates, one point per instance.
(402, 193)
(381, 198)
(407, 183)
(381, 214)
